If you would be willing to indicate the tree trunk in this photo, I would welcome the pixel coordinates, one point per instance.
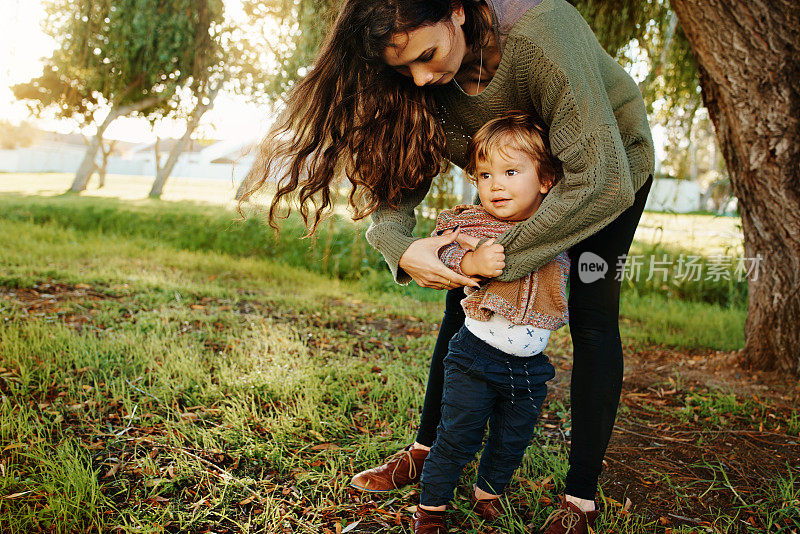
(105, 153)
(162, 173)
(87, 165)
(749, 70)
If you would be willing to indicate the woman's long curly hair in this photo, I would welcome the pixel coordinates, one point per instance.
(353, 115)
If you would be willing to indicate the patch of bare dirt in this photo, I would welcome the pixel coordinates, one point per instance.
(682, 464)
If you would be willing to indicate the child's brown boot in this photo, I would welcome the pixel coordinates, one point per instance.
(429, 523)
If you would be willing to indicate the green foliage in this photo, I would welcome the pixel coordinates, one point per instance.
(643, 31)
(302, 26)
(617, 22)
(123, 52)
(338, 249)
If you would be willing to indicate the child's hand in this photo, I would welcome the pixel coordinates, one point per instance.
(487, 260)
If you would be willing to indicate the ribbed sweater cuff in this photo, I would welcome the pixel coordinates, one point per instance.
(392, 250)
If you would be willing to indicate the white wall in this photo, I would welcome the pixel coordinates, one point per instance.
(67, 160)
(675, 196)
(41, 160)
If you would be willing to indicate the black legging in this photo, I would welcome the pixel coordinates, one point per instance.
(597, 352)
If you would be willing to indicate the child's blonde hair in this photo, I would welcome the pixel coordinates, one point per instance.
(520, 131)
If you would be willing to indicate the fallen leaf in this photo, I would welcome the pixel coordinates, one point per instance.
(157, 499)
(324, 447)
(350, 527)
(248, 500)
(113, 470)
(14, 446)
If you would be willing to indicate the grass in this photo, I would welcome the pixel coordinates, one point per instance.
(162, 372)
(651, 313)
(656, 319)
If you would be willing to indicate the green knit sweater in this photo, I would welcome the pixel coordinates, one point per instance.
(552, 66)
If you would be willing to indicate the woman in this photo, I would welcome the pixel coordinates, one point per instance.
(398, 88)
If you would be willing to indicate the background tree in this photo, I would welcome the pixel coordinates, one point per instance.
(106, 149)
(126, 56)
(292, 32)
(12, 136)
(237, 67)
(749, 71)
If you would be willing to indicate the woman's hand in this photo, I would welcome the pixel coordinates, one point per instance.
(465, 241)
(421, 262)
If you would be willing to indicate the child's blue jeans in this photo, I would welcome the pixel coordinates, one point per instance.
(483, 384)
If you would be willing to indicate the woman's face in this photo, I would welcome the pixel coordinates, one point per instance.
(429, 54)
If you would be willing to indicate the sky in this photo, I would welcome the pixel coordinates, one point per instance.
(23, 45)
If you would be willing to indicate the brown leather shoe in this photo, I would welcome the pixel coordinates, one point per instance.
(427, 523)
(487, 509)
(569, 519)
(403, 467)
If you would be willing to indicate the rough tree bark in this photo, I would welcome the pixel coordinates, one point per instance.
(747, 55)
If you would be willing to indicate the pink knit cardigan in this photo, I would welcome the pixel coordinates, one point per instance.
(538, 299)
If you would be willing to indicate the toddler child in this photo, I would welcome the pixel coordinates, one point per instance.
(495, 370)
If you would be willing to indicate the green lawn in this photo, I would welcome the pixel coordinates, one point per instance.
(165, 370)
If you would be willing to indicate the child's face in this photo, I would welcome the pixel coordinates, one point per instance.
(508, 185)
